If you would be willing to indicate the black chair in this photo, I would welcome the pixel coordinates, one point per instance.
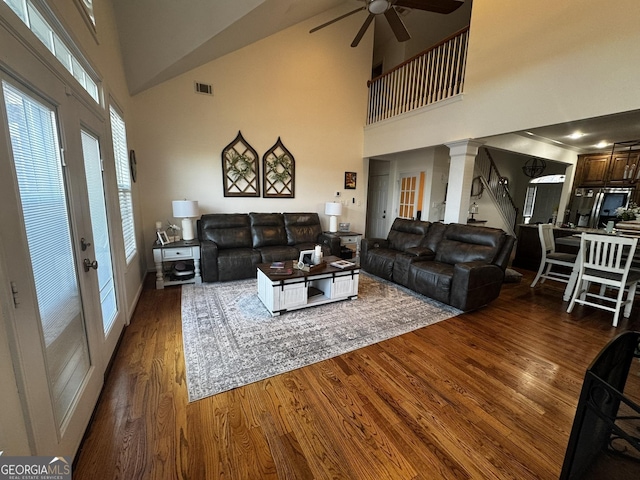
(605, 436)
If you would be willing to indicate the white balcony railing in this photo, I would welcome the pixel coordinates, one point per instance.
(430, 76)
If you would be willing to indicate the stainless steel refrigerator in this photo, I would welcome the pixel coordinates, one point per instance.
(594, 207)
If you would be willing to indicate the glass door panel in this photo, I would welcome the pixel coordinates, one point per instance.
(36, 150)
(100, 228)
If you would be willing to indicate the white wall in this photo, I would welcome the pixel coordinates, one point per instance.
(530, 64)
(312, 94)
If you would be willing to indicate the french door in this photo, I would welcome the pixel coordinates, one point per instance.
(66, 314)
(411, 192)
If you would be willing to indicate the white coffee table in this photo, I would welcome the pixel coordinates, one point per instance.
(300, 289)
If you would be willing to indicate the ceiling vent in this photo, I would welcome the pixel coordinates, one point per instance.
(203, 88)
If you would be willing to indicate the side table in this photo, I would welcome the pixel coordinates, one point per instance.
(350, 240)
(165, 256)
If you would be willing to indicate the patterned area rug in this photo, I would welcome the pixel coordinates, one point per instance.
(230, 339)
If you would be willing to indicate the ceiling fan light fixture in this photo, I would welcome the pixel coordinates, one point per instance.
(378, 6)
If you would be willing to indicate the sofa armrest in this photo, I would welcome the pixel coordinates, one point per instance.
(330, 241)
(209, 261)
(367, 244)
(371, 243)
(475, 284)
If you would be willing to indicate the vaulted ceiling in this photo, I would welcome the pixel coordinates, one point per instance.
(163, 38)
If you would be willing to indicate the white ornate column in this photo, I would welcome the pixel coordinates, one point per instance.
(463, 158)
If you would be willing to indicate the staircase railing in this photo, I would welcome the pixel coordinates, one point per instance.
(430, 76)
(497, 188)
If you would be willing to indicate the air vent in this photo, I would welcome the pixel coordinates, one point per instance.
(203, 88)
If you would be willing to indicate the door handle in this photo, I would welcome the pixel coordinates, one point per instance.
(88, 264)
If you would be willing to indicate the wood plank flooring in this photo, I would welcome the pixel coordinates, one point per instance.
(489, 394)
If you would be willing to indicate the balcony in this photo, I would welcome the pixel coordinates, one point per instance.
(429, 77)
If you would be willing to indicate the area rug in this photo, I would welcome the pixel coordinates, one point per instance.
(230, 339)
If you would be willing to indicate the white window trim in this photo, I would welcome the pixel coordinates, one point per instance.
(22, 31)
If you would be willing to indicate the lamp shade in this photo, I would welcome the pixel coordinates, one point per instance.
(185, 208)
(333, 208)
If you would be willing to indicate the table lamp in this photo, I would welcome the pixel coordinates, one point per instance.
(186, 210)
(334, 210)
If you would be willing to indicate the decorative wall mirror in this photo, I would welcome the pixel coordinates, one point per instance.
(278, 170)
(240, 169)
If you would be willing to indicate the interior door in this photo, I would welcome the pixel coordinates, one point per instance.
(56, 319)
(377, 220)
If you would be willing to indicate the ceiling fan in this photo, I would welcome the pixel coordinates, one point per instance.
(388, 8)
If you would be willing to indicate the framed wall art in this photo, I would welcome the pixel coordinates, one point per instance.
(350, 180)
(240, 169)
(278, 171)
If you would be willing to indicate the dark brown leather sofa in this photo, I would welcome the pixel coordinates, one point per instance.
(232, 244)
(460, 265)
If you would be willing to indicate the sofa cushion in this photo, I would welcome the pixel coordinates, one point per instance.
(227, 230)
(464, 243)
(434, 235)
(278, 253)
(267, 229)
(302, 228)
(406, 234)
(237, 263)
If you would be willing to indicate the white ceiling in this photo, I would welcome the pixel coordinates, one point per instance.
(622, 127)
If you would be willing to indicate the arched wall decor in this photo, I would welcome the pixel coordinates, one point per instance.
(278, 172)
(240, 170)
(477, 187)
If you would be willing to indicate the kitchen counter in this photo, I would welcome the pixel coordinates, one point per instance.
(528, 251)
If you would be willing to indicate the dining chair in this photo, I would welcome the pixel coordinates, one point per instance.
(606, 260)
(551, 258)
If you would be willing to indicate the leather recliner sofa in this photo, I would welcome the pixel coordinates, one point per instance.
(460, 265)
(232, 244)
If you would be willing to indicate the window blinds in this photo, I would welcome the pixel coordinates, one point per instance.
(123, 176)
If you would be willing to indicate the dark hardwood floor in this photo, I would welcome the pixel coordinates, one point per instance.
(488, 394)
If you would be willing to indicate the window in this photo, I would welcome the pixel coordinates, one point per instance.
(54, 40)
(123, 176)
(529, 203)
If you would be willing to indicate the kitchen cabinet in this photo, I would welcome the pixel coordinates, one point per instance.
(592, 170)
(624, 169)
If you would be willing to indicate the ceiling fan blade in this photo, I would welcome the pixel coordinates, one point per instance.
(362, 30)
(398, 28)
(438, 6)
(336, 19)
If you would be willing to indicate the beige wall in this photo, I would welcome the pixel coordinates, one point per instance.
(309, 90)
(530, 64)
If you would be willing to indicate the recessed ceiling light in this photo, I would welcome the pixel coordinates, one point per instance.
(576, 135)
(602, 144)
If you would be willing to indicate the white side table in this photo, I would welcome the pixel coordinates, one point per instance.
(164, 256)
(350, 240)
